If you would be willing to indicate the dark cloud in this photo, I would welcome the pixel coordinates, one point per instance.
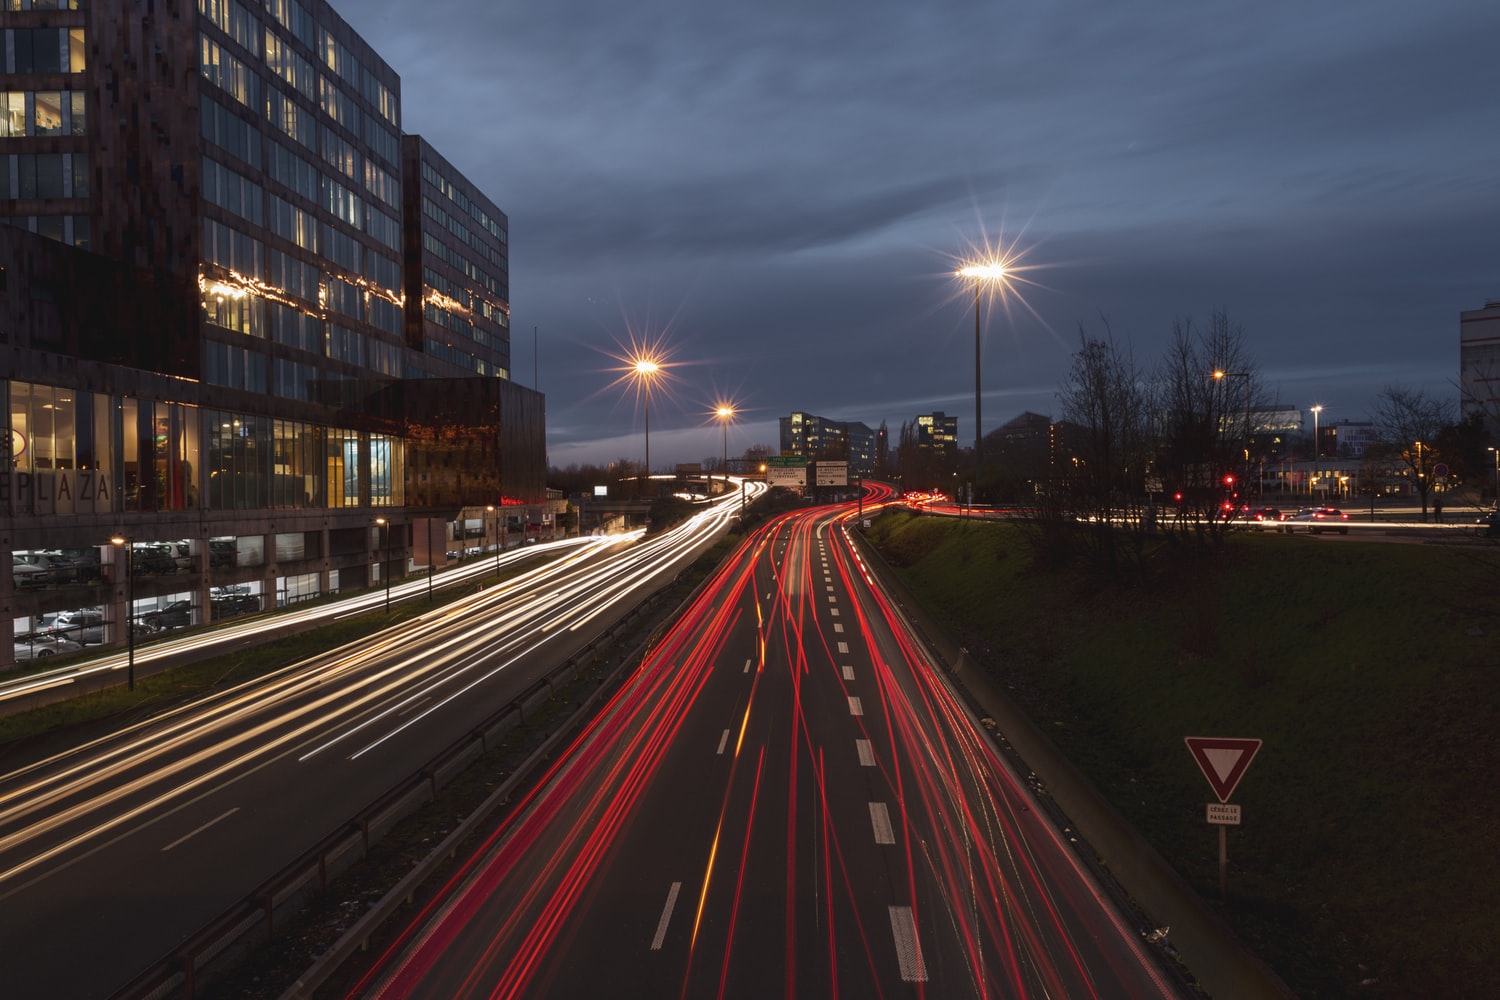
(780, 190)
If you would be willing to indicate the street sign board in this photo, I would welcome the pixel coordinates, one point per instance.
(832, 473)
(1223, 814)
(1222, 760)
(786, 461)
(781, 475)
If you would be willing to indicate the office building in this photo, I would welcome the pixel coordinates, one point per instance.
(938, 433)
(1479, 364)
(821, 437)
(246, 318)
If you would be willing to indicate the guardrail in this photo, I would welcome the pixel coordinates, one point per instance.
(255, 920)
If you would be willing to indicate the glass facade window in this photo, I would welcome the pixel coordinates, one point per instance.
(386, 473)
(43, 50)
(342, 458)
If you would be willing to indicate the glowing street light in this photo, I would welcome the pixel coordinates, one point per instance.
(1497, 475)
(385, 569)
(1315, 411)
(725, 413)
(995, 272)
(643, 370)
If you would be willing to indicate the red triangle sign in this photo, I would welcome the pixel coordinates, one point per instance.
(1222, 760)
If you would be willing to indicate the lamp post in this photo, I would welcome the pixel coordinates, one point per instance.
(645, 369)
(385, 568)
(128, 545)
(498, 546)
(1220, 374)
(725, 414)
(1497, 475)
(1316, 443)
(992, 271)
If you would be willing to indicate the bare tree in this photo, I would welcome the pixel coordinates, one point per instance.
(1205, 423)
(1104, 399)
(1412, 423)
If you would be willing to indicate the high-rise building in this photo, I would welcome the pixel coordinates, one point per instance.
(245, 316)
(1479, 363)
(820, 437)
(938, 433)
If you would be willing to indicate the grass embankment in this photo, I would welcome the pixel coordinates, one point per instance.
(1365, 865)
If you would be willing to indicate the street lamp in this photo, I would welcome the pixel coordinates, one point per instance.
(1220, 374)
(1497, 475)
(725, 414)
(992, 271)
(498, 546)
(128, 545)
(644, 370)
(1315, 411)
(385, 569)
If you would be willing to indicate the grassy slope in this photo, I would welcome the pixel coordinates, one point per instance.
(1372, 672)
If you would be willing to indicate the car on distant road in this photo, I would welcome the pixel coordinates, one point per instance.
(1488, 525)
(37, 647)
(1259, 518)
(1319, 519)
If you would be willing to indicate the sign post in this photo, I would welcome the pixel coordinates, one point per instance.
(786, 470)
(1223, 761)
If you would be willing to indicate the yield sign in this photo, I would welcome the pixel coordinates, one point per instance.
(1223, 760)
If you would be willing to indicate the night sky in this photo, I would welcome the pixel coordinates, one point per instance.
(777, 194)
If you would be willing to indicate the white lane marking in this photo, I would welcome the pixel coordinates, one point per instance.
(829, 588)
(839, 628)
(723, 741)
(880, 820)
(747, 667)
(833, 612)
(189, 836)
(908, 949)
(666, 917)
(843, 647)
(833, 599)
(866, 753)
(855, 708)
(848, 672)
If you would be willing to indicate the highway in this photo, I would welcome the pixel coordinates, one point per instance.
(786, 799)
(114, 851)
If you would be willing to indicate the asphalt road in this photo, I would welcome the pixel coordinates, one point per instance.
(115, 851)
(786, 800)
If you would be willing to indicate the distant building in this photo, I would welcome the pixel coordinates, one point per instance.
(817, 437)
(1024, 447)
(1479, 363)
(938, 433)
(1350, 439)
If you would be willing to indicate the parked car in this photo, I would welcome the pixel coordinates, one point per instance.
(36, 647)
(59, 570)
(152, 560)
(174, 614)
(228, 605)
(26, 576)
(1259, 518)
(1488, 525)
(85, 627)
(1318, 520)
(221, 553)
